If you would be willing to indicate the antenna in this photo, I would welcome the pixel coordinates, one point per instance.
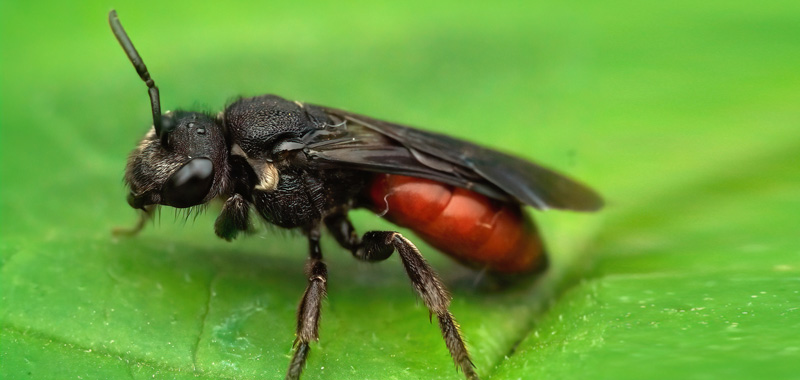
(138, 64)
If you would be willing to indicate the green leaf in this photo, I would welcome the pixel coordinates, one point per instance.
(683, 115)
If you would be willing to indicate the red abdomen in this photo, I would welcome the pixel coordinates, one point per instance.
(470, 227)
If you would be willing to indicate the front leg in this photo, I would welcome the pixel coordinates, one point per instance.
(378, 246)
(145, 214)
(309, 310)
(234, 218)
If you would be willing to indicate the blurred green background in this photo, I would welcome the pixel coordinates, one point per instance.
(685, 115)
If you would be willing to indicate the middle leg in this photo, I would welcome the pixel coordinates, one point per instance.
(308, 312)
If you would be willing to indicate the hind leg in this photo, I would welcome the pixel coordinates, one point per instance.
(378, 246)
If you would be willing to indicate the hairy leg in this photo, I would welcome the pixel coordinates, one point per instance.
(378, 246)
(308, 312)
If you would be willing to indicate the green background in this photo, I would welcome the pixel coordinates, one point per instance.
(684, 114)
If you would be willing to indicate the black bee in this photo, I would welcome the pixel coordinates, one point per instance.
(302, 166)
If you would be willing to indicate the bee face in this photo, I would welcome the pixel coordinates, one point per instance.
(185, 167)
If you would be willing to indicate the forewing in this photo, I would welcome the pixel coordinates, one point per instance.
(355, 146)
(381, 146)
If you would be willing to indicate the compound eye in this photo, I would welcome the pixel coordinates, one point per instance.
(190, 184)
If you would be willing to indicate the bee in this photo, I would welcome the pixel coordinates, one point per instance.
(303, 166)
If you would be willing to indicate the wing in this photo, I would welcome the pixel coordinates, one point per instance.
(364, 143)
